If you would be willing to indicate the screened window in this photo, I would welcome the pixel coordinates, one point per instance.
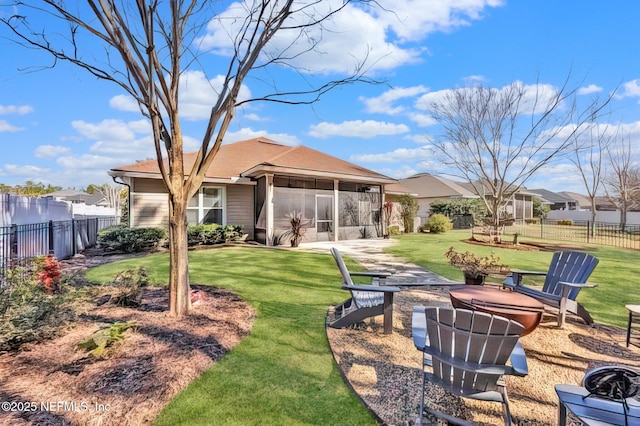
(206, 206)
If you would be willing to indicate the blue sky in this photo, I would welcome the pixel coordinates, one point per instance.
(64, 127)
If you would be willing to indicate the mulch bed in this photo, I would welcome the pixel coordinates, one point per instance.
(54, 383)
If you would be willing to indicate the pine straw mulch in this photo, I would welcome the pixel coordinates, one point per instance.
(155, 361)
(385, 370)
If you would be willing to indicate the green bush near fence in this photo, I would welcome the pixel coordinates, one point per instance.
(130, 240)
(565, 222)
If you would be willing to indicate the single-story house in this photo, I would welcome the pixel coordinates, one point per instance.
(258, 184)
(428, 188)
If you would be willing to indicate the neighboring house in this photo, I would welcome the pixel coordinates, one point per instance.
(428, 188)
(78, 197)
(258, 183)
(557, 200)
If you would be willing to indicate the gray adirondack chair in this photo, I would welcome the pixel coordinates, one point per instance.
(595, 411)
(466, 353)
(567, 275)
(366, 300)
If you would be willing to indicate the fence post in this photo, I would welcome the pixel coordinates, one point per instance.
(13, 242)
(588, 231)
(51, 243)
(541, 228)
(73, 237)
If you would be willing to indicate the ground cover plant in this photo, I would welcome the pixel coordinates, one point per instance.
(615, 275)
(283, 372)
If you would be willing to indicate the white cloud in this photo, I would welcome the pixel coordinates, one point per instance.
(107, 129)
(587, 90)
(415, 19)
(89, 162)
(197, 96)
(361, 129)
(50, 151)
(320, 49)
(398, 155)
(13, 109)
(200, 94)
(124, 103)
(401, 173)
(535, 98)
(22, 170)
(384, 103)
(247, 133)
(6, 127)
(630, 89)
(422, 120)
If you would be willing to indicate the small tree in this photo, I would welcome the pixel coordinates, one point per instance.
(622, 182)
(408, 211)
(540, 209)
(496, 139)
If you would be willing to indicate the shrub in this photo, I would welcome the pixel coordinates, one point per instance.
(532, 221)
(393, 230)
(438, 223)
(105, 338)
(565, 222)
(127, 287)
(408, 210)
(130, 240)
(209, 234)
(27, 312)
(50, 274)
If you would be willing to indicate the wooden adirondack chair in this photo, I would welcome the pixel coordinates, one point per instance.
(465, 352)
(366, 300)
(567, 275)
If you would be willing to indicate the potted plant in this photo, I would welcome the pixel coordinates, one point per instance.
(475, 268)
(298, 227)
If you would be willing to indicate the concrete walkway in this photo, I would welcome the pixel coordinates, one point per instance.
(371, 255)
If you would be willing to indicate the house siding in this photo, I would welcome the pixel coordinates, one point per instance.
(240, 207)
(150, 204)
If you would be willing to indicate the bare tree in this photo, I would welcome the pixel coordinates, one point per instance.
(589, 151)
(113, 195)
(149, 44)
(496, 139)
(622, 183)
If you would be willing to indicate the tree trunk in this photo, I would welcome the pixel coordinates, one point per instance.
(179, 291)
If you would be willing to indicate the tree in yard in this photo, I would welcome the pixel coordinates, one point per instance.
(147, 47)
(408, 210)
(589, 159)
(114, 195)
(496, 139)
(622, 182)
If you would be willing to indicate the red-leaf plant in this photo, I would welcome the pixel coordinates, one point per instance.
(50, 274)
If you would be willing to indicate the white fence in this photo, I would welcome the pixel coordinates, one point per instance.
(21, 210)
(633, 218)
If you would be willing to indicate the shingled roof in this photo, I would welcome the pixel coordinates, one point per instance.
(254, 156)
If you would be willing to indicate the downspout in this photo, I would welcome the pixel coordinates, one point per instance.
(128, 196)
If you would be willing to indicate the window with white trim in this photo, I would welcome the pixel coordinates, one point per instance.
(206, 206)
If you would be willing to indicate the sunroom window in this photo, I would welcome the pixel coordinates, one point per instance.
(206, 206)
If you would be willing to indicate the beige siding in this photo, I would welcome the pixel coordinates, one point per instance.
(154, 186)
(150, 210)
(149, 203)
(240, 207)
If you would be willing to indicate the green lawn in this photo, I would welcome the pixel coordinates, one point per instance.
(283, 372)
(616, 274)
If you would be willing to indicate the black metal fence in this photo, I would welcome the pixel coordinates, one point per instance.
(63, 239)
(605, 233)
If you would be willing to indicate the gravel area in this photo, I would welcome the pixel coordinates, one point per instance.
(384, 370)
